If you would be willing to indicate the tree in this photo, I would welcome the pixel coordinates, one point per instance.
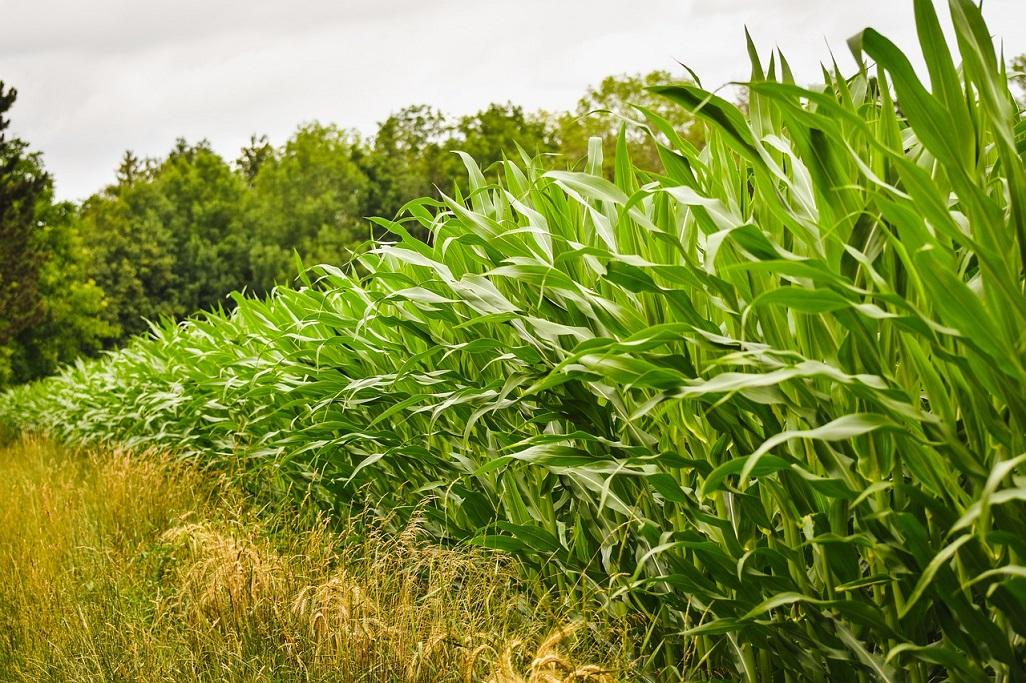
(1017, 75)
(167, 239)
(309, 198)
(49, 309)
(73, 322)
(491, 132)
(130, 253)
(408, 158)
(200, 202)
(604, 109)
(253, 156)
(24, 195)
(413, 151)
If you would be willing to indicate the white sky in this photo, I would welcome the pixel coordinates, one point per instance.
(97, 77)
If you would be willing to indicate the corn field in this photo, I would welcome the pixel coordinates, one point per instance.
(769, 399)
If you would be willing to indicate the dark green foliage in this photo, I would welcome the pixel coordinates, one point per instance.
(24, 188)
(50, 310)
(200, 196)
(132, 251)
(74, 313)
(410, 157)
(306, 198)
(489, 135)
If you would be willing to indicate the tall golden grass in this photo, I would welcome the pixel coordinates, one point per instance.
(147, 569)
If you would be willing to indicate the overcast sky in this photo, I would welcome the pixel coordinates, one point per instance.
(97, 77)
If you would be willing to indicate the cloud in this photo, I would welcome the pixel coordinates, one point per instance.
(103, 76)
(124, 27)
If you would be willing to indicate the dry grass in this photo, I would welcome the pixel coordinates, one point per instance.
(125, 568)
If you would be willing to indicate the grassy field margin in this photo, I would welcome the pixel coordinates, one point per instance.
(115, 567)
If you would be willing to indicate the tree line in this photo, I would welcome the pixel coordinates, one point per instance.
(175, 235)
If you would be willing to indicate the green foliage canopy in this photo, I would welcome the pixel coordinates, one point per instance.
(51, 311)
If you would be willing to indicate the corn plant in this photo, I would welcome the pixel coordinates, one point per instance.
(768, 399)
